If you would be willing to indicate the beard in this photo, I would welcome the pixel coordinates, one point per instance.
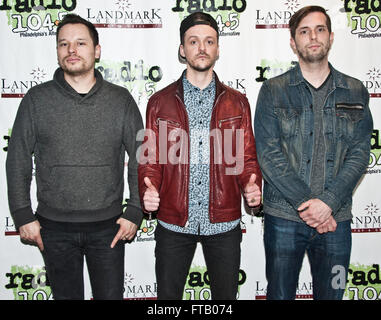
(319, 56)
(79, 69)
(202, 68)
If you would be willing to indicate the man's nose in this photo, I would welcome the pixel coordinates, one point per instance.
(72, 48)
(313, 34)
(202, 47)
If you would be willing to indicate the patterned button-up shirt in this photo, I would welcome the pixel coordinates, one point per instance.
(199, 106)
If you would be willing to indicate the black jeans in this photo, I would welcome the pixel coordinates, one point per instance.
(64, 254)
(174, 254)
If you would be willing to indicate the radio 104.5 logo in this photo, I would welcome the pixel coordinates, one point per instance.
(30, 18)
(364, 17)
(226, 12)
(375, 154)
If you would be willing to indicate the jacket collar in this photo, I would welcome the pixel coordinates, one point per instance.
(220, 88)
(339, 81)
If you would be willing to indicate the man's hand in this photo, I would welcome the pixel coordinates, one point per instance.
(151, 197)
(30, 232)
(252, 192)
(314, 212)
(328, 226)
(126, 231)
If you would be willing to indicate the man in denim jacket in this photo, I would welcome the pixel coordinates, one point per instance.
(312, 128)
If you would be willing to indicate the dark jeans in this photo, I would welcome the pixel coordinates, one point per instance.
(174, 254)
(64, 254)
(285, 245)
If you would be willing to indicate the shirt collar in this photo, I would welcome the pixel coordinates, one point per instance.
(189, 87)
(296, 77)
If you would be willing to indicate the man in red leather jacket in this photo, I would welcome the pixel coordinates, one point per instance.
(195, 200)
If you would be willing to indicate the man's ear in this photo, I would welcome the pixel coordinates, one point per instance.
(331, 38)
(181, 55)
(97, 51)
(181, 51)
(293, 45)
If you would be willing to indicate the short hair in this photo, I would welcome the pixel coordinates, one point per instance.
(303, 12)
(72, 18)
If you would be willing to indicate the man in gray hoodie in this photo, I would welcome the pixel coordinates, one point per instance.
(78, 128)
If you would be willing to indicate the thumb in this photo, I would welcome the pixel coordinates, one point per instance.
(149, 184)
(304, 205)
(251, 180)
(40, 244)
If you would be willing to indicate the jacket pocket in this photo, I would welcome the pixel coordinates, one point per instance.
(167, 122)
(347, 118)
(174, 137)
(230, 123)
(228, 144)
(289, 120)
(81, 187)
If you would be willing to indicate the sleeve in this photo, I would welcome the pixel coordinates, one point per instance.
(275, 167)
(355, 162)
(149, 165)
(19, 164)
(132, 125)
(251, 164)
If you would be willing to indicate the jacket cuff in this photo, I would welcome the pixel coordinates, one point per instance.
(330, 200)
(23, 216)
(133, 214)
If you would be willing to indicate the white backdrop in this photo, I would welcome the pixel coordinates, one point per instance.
(139, 40)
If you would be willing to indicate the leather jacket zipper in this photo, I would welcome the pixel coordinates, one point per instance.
(187, 167)
(170, 122)
(220, 122)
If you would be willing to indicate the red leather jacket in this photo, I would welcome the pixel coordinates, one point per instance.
(231, 110)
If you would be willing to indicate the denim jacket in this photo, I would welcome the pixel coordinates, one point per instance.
(283, 126)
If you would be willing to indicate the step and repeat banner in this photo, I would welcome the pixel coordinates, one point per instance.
(140, 40)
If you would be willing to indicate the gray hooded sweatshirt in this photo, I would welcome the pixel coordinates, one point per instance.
(79, 146)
